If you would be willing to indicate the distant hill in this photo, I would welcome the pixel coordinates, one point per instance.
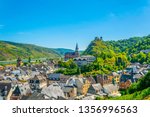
(129, 46)
(62, 51)
(11, 50)
(136, 49)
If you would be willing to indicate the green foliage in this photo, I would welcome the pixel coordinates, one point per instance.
(138, 95)
(68, 68)
(11, 51)
(141, 58)
(143, 83)
(133, 47)
(68, 64)
(137, 91)
(106, 59)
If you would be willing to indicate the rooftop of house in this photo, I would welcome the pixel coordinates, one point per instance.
(67, 89)
(125, 77)
(34, 96)
(91, 80)
(138, 76)
(146, 51)
(53, 91)
(114, 74)
(5, 87)
(75, 81)
(23, 89)
(54, 76)
(97, 86)
(109, 88)
(39, 77)
(92, 97)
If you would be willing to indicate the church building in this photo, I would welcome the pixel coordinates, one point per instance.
(72, 55)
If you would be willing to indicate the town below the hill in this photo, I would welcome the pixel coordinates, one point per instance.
(101, 72)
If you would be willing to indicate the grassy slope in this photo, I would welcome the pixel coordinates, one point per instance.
(10, 51)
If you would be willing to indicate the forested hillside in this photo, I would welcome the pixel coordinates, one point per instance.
(131, 45)
(132, 48)
(11, 50)
(107, 59)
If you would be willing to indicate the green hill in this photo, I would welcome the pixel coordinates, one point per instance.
(11, 50)
(107, 59)
(134, 48)
(62, 51)
(131, 45)
(96, 47)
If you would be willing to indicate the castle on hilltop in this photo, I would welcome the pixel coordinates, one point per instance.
(72, 55)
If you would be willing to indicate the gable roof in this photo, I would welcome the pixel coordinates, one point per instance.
(67, 89)
(36, 96)
(114, 74)
(53, 91)
(110, 88)
(91, 80)
(97, 86)
(5, 88)
(39, 77)
(54, 76)
(125, 77)
(24, 89)
(74, 81)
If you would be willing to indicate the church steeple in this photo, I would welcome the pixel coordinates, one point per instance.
(77, 48)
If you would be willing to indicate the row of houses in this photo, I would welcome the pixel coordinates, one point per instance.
(38, 82)
(73, 88)
(132, 74)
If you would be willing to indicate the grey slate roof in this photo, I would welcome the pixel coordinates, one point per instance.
(53, 91)
(67, 89)
(74, 81)
(97, 86)
(5, 87)
(35, 96)
(110, 88)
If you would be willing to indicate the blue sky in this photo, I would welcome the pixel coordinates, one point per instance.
(63, 23)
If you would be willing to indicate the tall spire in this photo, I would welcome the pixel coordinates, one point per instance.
(77, 49)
